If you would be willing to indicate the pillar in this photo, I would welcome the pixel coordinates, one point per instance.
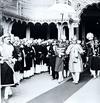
(83, 30)
(71, 31)
(61, 32)
(63, 37)
(10, 26)
(5, 25)
(28, 32)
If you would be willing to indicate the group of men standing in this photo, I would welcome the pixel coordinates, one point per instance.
(22, 57)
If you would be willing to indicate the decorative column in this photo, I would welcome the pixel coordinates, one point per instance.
(28, 32)
(10, 26)
(63, 37)
(5, 26)
(83, 30)
(9, 30)
(71, 31)
(59, 31)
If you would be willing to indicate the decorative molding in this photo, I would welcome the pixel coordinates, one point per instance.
(78, 5)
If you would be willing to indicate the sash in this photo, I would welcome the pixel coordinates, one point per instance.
(9, 61)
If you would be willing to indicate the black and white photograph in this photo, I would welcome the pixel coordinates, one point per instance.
(49, 51)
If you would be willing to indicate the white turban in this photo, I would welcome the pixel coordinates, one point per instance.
(90, 36)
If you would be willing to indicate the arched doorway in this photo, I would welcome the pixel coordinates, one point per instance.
(90, 21)
(66, 29)
(53, 31)
(19, 29)
(44, 31)
(32, 30)
(37, 32)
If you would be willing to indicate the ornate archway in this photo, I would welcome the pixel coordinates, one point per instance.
(89, 20)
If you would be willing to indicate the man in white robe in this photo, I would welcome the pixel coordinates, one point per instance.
(75, 61)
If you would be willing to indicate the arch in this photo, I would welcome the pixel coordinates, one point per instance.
(14, 20)
(59, 23)
(19, 29)
(53, 31)
(8, 19)
(65, 24)
(37, 29)
(44, 31)
(32, 30)
(89, 6)
(14, 28)
(90, 19)
(66, 29)
(23, 29)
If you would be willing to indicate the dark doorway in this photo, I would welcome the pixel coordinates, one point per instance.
(32, 30)
(53, 31)
(19, 29)
(37, 31)
(44, 31)
(65, 27)
(90, 21)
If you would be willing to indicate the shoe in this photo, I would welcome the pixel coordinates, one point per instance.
(94, 77)
(5, 100)
(75, 82)
(60, 82)
(14, 85)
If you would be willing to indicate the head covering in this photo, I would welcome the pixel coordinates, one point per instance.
(5, 36)
(89, 36)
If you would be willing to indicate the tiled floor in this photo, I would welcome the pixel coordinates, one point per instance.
(90, 93)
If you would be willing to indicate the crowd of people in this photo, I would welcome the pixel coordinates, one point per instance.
(23, 58)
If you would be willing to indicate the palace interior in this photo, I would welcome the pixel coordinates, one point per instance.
(47, 19)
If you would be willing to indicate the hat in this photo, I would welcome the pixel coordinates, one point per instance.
(89, 36)
(5, 36)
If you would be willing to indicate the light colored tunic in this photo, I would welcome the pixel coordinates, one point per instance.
(7, 53)
(7, 71)
(75, 60)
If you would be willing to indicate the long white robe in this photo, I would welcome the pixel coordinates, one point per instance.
(75, 60)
